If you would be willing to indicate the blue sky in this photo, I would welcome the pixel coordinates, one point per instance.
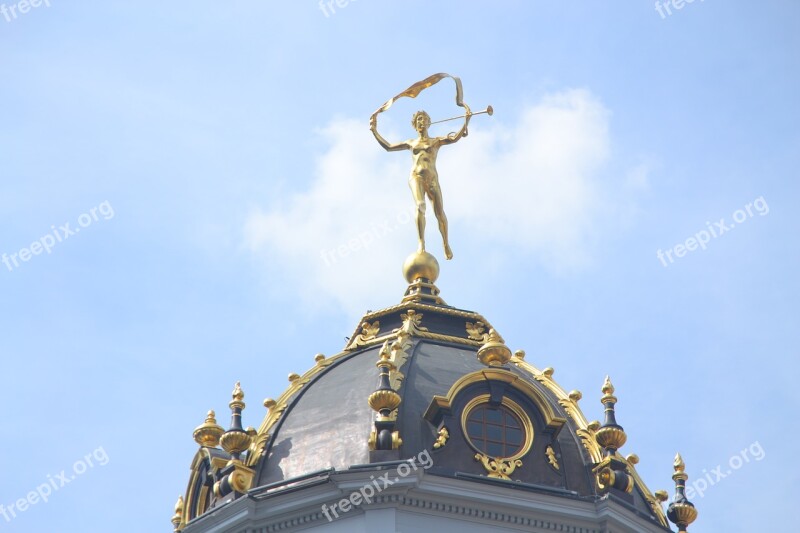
(224, 147)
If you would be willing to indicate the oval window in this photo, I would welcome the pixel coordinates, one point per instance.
(497, 431)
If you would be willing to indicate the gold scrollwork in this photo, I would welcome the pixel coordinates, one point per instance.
(441, 440)
(476, 331)
(498, 468)
(411, 322)
(368, 332)
(551, 457)
(399, 355)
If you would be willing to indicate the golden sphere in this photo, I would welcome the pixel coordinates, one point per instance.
(421, 265)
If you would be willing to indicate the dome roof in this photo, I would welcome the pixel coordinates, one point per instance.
(324, 419)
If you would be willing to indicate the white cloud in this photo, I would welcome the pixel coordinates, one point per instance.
(533, 184)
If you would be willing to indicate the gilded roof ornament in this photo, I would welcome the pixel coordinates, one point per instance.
(208, 433)
(236, 439)
(611, 436)
(681, 511)
(494, 352)
(177, 518)
(383, 401)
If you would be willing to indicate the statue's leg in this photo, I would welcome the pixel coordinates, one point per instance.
(435, 195)
(418, 191)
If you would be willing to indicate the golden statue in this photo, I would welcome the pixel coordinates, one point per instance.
(424, 179)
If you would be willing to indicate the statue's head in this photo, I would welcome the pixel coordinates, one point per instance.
(421, 120)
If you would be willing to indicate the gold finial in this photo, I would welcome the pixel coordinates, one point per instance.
(238, 397)
(608, 387)
(385, 357)
(575, 395)
(208, 433)
(661, 495)
(678, 465)
(632, 459)
(594, 425)
(520, 354)
(494, 352)
(237, 393)
(235, 440)
(383, 401)
(293, 376)
(269, 403)
(177, 518)
(681, 511)
(319, 358)
(611, 436)
(548, 372)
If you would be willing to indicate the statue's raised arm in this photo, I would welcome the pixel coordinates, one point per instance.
(389, 147)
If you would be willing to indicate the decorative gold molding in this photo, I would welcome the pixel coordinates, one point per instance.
(551, 418)
(441, 440)
(477, 331)
(419, 307)
(241, 479)
(399, 356)
(372, 441)
(411, 322)
(551, 457)
(498, 468)
(368, 332)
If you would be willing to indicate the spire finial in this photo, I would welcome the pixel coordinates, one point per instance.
(383, 401)
(678, 465)
(238, 393)
(177, 518)
(611, 436)
(608, 388)
(681, 511)
(236, 440)
(612, 472)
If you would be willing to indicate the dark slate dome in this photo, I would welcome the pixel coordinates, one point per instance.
(446, 363)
